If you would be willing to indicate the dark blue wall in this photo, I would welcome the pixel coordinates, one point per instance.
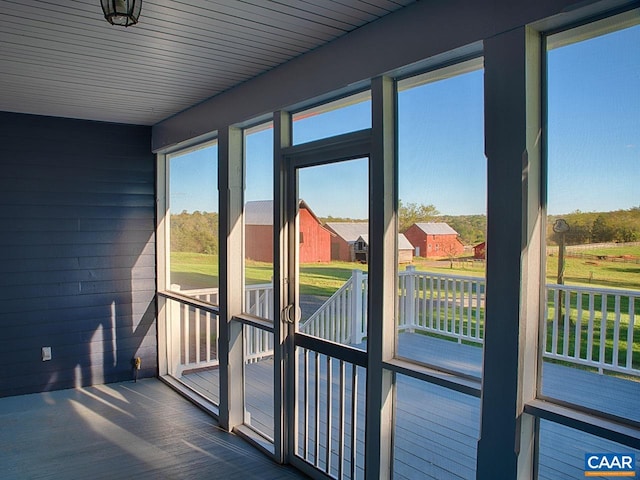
(77, 252)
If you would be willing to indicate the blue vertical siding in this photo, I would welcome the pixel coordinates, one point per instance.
(77, 252)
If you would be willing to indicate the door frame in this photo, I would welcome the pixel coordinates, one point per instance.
(289, 159)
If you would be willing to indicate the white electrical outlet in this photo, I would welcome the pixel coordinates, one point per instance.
(46, 353)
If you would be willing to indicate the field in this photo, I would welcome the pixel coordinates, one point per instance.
(193, 270)
(614, 272)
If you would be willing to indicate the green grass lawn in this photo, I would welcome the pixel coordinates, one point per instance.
(579, 271)
(194, 270)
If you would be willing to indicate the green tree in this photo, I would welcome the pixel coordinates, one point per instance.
(195, 232)
(411, 213)
(602, 230)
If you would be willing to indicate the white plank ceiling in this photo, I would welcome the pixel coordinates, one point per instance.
(61, 58)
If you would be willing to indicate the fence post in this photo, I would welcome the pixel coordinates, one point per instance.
(356, 307)
(410, 298)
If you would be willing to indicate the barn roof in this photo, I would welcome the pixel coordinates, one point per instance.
(403, 243)
(436, 228)
(349, 231)
(260, 212)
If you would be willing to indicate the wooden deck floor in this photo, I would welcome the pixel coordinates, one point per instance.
(126, 430)
(437, 429)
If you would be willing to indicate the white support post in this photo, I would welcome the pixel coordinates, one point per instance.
(356, 307)
(162, 246)
(230, 341)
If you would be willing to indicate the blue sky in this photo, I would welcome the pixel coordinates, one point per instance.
(594, 124)
(594, 142)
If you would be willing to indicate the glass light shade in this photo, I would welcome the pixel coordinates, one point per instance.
(121, 12)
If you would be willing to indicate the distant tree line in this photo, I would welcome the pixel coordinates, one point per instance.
(195, 232)
(598, 227)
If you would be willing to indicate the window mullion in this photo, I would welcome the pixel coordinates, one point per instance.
(512, 123)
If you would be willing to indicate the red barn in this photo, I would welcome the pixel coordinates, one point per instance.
(315, 240)
(258, 227)
(479, 251)
(434, 240)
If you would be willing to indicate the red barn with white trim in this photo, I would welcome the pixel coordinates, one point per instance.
(432, 240)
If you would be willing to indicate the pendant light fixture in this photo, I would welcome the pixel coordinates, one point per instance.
(121, 12)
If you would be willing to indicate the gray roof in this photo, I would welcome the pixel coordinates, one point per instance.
(259, 212)
(403, 243)
(436, 228)
(349, 231)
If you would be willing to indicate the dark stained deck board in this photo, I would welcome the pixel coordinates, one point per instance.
(123, 430)
(437, 429)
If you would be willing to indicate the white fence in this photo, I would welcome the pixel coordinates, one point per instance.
(194, 332)
(343, 317)
(592, 327)
(450, 306)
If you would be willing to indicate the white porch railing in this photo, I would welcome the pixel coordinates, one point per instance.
(450, 306)
(343, 317)
(592, 327)
(194, 332)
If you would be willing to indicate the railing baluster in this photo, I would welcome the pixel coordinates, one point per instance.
(354, 418)
(461, 332)
(545, 324)
(438, 303)
(479, 295)
(578, 330)
(341, 421)
(306, 434)
(207, 319)
(346, 319)
(616, 332)
(329, 417)
(630, 331)
(603, 332)
(566, 324)
(592, 315)
(424, 302)
(446, 305)
(431, 316)
(317, 410)
(185, 316)
(554, 337)
(332, 322)
(470, 311)
(197, 321)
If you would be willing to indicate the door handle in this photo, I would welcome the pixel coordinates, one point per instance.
(290, 314)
